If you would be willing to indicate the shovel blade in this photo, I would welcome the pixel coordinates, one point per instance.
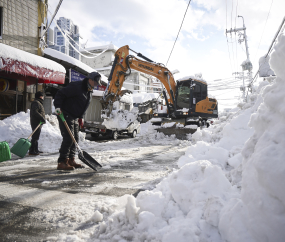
(89, 161)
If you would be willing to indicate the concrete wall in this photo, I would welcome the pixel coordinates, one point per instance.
(20, 24)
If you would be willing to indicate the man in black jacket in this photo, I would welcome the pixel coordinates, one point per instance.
(73, 101)
(37, 115)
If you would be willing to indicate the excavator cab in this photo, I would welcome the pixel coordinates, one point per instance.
(189, 93)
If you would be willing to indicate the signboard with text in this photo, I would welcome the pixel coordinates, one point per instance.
(75, 76)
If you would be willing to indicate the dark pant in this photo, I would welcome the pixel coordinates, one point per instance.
(68, 149)
(35, 137)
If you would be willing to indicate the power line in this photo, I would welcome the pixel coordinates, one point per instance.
(178, 31)
(263, 29)
(227, 36)
(66, 35)
(55, 12)
(280, 29)
(224, 93)
(236, 34)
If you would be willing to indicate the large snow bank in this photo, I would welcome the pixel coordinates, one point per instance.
(229, 183)
(189, 203)
(260, 213)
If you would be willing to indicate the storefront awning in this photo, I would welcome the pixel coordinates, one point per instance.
(19, 62)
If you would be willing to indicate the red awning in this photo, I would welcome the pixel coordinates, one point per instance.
(43, 75)
(19, 62)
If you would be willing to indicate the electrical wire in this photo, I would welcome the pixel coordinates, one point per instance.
(65, 34)
(224, 93)
(89, 57)
(236, 34)
(178, 31)
(263, 30)
(227, 35)
(55, 12)
(233, 55)
(281, 29)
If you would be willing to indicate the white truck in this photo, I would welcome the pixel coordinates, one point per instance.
(124, 123)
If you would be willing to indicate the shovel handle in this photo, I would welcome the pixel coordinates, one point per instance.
(68, 129)
(62, 117)
(35, 129)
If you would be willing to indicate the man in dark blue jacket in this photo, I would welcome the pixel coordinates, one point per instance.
(73, 101)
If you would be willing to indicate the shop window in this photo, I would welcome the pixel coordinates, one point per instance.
(1, 22)
(31, 88)
(7, 105)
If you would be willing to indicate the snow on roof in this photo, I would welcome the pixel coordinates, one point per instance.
(100, 48)
(61, 56)
(192, 77)
(8, 52)
(104, 68)
(143, 97)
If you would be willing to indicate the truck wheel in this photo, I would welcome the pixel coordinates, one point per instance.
(115, 135)
(134, 134)
(94, 135)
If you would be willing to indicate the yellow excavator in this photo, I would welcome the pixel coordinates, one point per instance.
(187, 99)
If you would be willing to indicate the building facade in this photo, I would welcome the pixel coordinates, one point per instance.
(65, 37)
(23, 71)
(19, 24)
(136, 81)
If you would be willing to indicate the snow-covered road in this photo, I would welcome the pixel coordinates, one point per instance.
(39, 202)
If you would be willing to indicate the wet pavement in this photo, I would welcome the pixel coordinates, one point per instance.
(38, 202)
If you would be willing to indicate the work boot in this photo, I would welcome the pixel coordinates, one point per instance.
(32, 150)
(37, 148)
(64, 165)
(72, 162)
(33, 153)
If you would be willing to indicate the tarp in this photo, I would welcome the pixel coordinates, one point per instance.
(17, 61)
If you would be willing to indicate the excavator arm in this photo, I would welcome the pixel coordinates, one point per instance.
(121, 68)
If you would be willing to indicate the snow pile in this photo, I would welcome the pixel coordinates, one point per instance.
(120, 119)
(127, 98)
(264, 68)
(144, 97)
(184, 205)
(259, 214)
(196, 77)
(229, 185)
(8, 52)
(18, 126)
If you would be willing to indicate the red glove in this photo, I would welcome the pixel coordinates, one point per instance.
(81, 122)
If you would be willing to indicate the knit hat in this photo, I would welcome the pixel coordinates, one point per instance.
(39, 94)
(95, 76)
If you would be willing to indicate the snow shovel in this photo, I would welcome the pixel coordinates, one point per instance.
(82, 155)
(23, 145)
(5, 153)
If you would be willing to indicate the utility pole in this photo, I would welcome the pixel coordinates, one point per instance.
(246, 65)
(242, 88)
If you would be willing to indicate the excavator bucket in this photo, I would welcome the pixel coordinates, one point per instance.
(177, 128)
